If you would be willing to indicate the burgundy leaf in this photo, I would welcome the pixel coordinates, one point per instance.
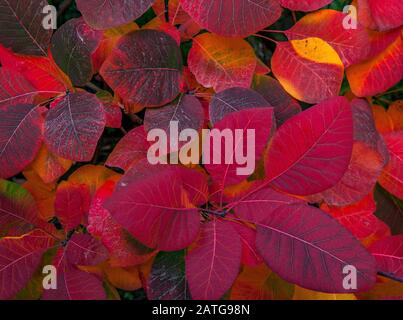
(233, 100)
(105, 14)
(284, 105)
(19, 259)
(144, 68)
(20, 137)
(74, 125)
(72, 46)
(130, 149)
(213, 264)
(167, 280)
(21, 26)
(187, 112)
(307, 247)
(82, 249)
(237, 18)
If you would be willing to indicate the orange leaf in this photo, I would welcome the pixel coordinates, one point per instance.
(310, 69)
(222, 63)
(378, 74)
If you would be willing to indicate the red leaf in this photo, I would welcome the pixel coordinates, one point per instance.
(311, 151)
(130, 149)
(21, 27)
(14, 88)
(387, 14)
(73, 126)
(74, 284)
(253, 206)
(144, 68)
(20, 137)
(18, 210)
(392, 175)
(233, 100)
(102, 14)
(84, 250)
(124, 251)
(41, 72)
(369, 156)
(305, 246)
(352, 45)
(250, 255)
(364, 77)
(195, 183)
(238, 18)
(213, 265)
(20, 257)
(152, 204)
(229, 170)
(72, 204)
(304, 5)
(388, 253)
(360, 220)
(72, 46)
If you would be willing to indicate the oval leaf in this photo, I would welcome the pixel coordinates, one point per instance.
(305, 246)
(311, 151)
(352, 45)
(221, 63)
(144, 68)
(74, 125)
(237, 18)
(310, 69)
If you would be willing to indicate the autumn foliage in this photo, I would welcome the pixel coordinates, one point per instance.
(78, 192)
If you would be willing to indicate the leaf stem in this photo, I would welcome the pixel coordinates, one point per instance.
(264, 37)
(273, 31)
